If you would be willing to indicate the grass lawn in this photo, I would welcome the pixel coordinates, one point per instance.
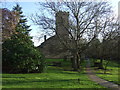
(52, 60)
(55, 77)
(112, 72)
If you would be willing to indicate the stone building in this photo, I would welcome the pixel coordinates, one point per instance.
(9, 20)
(52, 47)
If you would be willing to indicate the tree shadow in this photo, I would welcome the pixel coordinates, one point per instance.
(11, 77)
(22, 82)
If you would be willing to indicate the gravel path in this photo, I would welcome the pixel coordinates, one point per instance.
(100, 81)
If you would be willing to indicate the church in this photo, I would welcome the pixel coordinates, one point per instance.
(53, 47)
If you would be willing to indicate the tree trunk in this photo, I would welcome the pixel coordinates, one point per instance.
(74, 62)
(105, 69)
(101, 64)
(78, 61)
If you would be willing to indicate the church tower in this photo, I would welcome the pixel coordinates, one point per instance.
(62, 24)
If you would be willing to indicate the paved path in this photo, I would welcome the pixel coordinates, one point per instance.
(100, 81)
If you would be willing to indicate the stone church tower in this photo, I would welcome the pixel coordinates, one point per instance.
(62, 24)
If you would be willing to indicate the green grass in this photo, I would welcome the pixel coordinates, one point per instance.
(112, 73)
(52, 60)
(55, 77)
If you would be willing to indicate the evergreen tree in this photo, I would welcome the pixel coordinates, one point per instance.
(19, 54)
(22, 26)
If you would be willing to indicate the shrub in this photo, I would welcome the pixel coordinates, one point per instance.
(20, 56)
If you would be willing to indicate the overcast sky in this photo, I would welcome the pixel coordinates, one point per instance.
(30, 7)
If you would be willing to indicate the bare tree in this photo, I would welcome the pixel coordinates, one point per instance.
(85, 23)
(110, 38)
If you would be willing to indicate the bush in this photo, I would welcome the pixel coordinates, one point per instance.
(20, 56)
